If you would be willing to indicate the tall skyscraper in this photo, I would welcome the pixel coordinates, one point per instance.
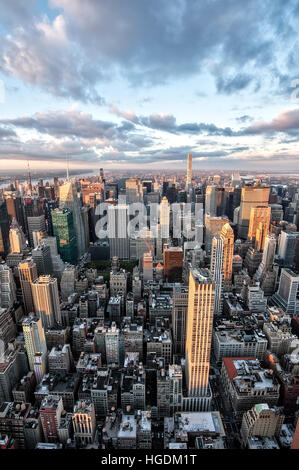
(46, 300)
(211, 200)
(16, 240)
(259, 225)
(179, 317)
(118, 219)
(268, 255)
(213, 228)
(173, 263)
(189, 172)
(41, 255)
(227, 235)
(134, 190)
(35, 340)
(286, 296)
(35, 224)
(286, 247)
(68, 198)
(201, 301)
(27, 274)
(164, 218)
(8, 291)
(217, 271)
(65, 233)
(251, 196)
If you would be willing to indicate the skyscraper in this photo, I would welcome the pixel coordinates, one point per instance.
(65, 233)
(211, 200)
(118, 219)
(217, 271)
(286, 247)
(227, 235)
(251, 196)
(41, 255)
(46, 300)
(35, 224)
(27, 274)
(259, 225)
(201, 301)
(34, 337)
(164, 218)
(68, 198)
(134, 190)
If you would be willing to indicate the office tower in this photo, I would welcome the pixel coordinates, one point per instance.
(35, 224)
(217, 271)
(41, 255)
(173, 263)
(276, 213)
(286, 296)
(259, 225)
(118, 220)
(268, 256)
(147, 265)
(179, 318)
(65, 233)
(261, 421)
(164, 218)
(213, 228)
(189, 172)
(211, 199)
(227, 235)
(34, 337)
(251, 196)
(4, 229)
(112, 344)
(46, 300)
(67, 283)
(15, 209)
(286, 247)
(8, 291)
(16, 239)
(68, 199)
(84, 422)
(50, 413)
(27, 274)
(13, 366)
(201, 301)
(7, 327)
(134, 190)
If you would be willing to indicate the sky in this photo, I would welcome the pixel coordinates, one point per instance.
(138, 84)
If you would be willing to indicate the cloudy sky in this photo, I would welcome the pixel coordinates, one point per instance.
(140, 83)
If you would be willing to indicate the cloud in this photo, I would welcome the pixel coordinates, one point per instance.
(167, 123)
(287, 121)
(74, 52)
